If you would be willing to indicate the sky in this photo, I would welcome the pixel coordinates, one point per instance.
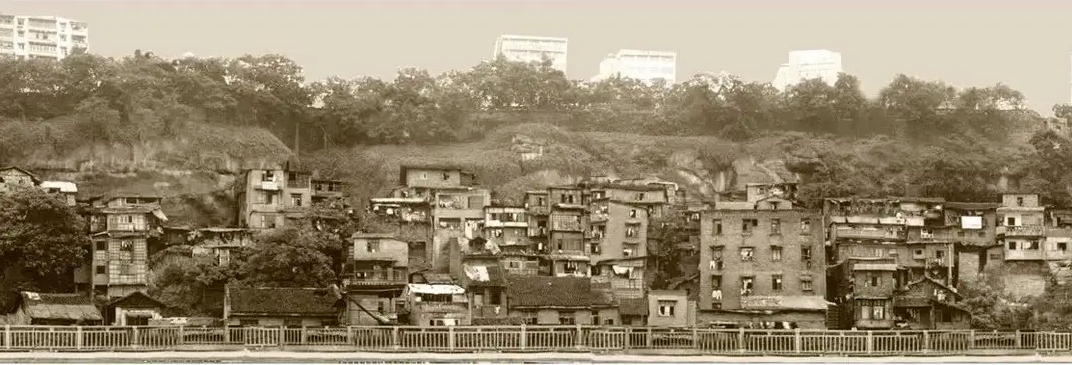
(965, 43)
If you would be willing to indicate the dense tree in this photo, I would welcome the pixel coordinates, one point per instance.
(42, 240)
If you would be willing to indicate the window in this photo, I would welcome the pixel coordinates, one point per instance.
(1012, 245)
(296, 200)
(513, 264)
(595, 317)
(878, 312)
(101, 270)
(1019, 201)
(775, 226)
(940, 254)
(126, 245)
(292, 322)
(892, 253)
(776, 282)
(805, 285)
(566, 318)
(446, 176)
(632, 213)
(746, 286)
(268, 176)
(539, 201)
(1033, 245)
(424, 176)
(1010, 221)
(747, 225)
(666, 308)
(372, 246)
(717, 224)
(102, 246)
(776, 253)
(640, 196)
(1062, 246)
(126, 219)
(805, 254)
(631, 230)
(746, 253)
(716, 281)
(875, 279)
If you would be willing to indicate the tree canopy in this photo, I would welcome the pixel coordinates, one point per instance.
(971, 135)
(42, 240)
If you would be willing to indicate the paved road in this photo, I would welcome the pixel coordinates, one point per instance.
(486, 358)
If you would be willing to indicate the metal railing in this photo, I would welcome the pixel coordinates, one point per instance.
(533, 339)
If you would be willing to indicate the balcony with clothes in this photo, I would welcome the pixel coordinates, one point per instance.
(566, 265)
(467, 205)
(328, 189)
(1020, 249)
(505, 217)
(625, 276)
(373, 273)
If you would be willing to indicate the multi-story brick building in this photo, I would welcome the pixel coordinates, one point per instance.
(120, 227)
(762, 267)
(266, 197)
(1021, 231)
(567, 254)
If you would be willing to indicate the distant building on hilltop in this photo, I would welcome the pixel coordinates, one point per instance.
(520, 48)
(38, 36)
(644, 66)
(810, 64)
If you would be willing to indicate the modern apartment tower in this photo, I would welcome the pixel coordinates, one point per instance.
(645, 66)
(41, 36)
(810, 64)
(520, 48)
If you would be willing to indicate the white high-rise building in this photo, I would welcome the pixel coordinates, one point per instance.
(520, 48)
(805, 65)
(41, 36)
(646, 66)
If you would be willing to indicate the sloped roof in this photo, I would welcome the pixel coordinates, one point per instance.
(971, 205)
(60, 306)
(282, 301)
(874, 267)
(32, 176)
(798, 302)
(62, 186)
(136, 299)
(633, 307)
(485, 274)
(556, 292)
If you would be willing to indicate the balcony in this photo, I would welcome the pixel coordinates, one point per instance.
(1021, 231)
(441, 307)
(882, 234)
(373, 278)
(268, 185)
(489, 310)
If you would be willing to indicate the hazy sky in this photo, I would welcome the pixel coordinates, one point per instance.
(966, 43)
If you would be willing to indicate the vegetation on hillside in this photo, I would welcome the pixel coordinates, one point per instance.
(954, 143)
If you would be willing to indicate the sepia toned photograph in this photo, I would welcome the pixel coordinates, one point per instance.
(535, 181)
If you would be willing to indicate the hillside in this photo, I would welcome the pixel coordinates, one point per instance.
(193, 170)
(703, 165)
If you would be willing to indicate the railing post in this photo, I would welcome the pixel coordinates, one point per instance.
(870, 342)
(741, 346)
(182, 335)
(926, 346)
(971, 339)
(78, 337)
(394, 338)
(524, 337)
(648, 343)
(282, 336)
(450, 338)
(628, 338)
(7, 337)
(226, 333)
(579, 341)
(304, 334)
(1019, 340)
(350, 335)
(134, 337)
(695, 338)
(797, 341)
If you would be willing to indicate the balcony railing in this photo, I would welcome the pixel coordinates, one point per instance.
(234, 342)
(845, 232)
(1021, 231)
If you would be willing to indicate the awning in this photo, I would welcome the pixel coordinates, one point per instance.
(160, 215)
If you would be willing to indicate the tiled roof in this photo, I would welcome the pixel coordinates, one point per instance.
(971, 206)
(60, 306)
(799, 302)
(633, 307)
(561, 292)
(495, 274)
(282, 301)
